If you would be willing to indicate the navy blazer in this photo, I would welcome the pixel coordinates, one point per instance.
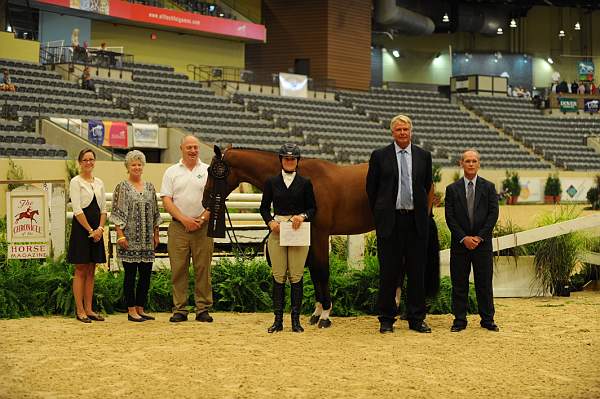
(382, 188)
(485, 213)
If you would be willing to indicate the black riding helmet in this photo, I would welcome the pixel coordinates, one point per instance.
(289, 150)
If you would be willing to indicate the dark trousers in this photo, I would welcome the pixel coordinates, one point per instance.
(403, 248)
(136, 296)
(460, 268)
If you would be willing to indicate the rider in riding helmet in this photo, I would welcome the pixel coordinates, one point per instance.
(293, 201)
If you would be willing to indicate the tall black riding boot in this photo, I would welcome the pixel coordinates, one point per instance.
(278, 301)
(297, 294)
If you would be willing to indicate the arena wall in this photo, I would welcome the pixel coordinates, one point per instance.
(18, 49)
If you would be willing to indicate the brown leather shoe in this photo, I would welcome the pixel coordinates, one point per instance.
(204, 317)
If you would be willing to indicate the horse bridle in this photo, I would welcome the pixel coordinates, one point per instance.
(219, 170)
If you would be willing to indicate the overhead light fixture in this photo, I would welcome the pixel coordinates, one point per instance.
(446, 18)
(500, 32)
(550, 60)
(396, 53)
(513, 23)
(577, 26)
(561, 33)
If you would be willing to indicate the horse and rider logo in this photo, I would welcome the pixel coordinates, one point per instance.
(27, 221)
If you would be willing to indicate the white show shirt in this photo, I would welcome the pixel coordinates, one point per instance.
(288, 178)
(82, 193)
(185, 187)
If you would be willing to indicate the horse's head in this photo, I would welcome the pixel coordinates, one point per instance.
(219, 169)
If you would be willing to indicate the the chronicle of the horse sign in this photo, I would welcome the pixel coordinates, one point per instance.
(27, 223)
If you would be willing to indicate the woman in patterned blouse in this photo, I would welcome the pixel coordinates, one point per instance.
(137, 218)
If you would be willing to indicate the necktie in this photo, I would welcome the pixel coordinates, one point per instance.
(471, 201)
(405, 202)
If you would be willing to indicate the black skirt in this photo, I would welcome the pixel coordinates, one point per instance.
(83, 249)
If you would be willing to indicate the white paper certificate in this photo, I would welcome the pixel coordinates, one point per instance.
(288, 237)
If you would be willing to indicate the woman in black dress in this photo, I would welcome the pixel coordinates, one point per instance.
(293, 201)
(86, 244)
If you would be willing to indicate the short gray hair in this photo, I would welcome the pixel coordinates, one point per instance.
(477, 154)
(135, 155)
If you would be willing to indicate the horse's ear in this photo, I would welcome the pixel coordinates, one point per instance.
(228, 146)
(217, 152)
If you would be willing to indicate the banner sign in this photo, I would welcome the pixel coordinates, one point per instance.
(293, 85)
(117, 134)
(462, 84)
(139, 13)
(591, 105)
(96, 132)
(586, 70)
(145, 135)
(531, 190)
(27, 223)
(575, 189)
(567, 104)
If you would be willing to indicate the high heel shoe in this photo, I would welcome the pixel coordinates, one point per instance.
(131, 318)
(83, 319)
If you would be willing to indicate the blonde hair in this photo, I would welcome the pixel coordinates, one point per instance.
(135, 155)
(401, 118)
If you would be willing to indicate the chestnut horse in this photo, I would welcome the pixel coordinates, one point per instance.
(342, 206)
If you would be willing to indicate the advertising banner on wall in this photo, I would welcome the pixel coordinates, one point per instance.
(586, 70)
(293, 85)
(567, 104)
(96, 132)
(28, 234)
(591, 105)
(145, 135)
(531, 190)
(117, 134)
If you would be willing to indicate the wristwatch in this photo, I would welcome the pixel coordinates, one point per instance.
(304, 215)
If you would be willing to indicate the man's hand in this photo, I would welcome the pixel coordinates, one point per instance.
(471, 242)
(190, 224)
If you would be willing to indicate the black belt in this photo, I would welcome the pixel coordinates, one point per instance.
(405, 211)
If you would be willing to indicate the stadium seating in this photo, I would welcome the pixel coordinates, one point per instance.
(560, 140)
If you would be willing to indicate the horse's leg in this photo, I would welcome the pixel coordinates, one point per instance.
(314, 318)
(320, 246)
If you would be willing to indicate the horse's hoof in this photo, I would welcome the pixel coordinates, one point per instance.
(314, 319)
(324, 323)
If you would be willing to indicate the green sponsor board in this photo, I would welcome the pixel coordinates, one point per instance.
(567, 104)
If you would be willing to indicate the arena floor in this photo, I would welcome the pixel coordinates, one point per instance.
(547, 348)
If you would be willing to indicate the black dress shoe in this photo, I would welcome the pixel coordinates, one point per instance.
(178, 317)
(457, 328)
(420, 328)
(147, 317)
(491, 327)
(136, 319)
(83, 319)
(204, 317)
(386, 328)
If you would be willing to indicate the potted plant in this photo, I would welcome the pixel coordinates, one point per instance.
(593, 194)
(511, 185)
(552, 189)
(437, 178)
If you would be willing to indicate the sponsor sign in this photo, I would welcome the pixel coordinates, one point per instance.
(145, 135)
(293, 85)
(462, 85)
(591, 105)
(531, 190)
(575, 189)
(27, 223)
(567, 104)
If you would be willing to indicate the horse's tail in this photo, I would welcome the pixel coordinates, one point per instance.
(432, 267)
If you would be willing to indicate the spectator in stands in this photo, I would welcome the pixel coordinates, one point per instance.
(182, 189)
(86, 244)
(562, 88)
(471, 229)
(6, 82)
(593, 88)
(581, 89)
(509, 91)
(86, 80)
(574, 87)
(293, 201)
(554, 87)
(137, 218)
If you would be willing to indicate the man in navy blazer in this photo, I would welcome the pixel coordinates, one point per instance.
(399, 182)
(471, 207)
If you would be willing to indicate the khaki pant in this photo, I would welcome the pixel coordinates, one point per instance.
(181, 245)
(286, 261)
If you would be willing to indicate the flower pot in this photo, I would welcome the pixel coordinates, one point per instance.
(551, 199)
(512, 200)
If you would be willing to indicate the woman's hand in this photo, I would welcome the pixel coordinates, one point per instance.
(296, 221)
(274, 226)
(122, 242)
(156, 240)
(97, 235)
